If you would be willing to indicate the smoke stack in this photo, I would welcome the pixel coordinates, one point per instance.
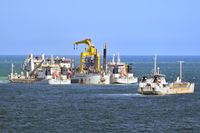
(104, 57)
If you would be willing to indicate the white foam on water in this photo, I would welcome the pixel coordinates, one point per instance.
(4, 80)
(119, 95)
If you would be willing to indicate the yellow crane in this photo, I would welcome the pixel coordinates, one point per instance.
(91, 52)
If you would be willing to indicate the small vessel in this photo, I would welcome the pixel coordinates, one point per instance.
(57, 71)
(61, 77)
(157, 84)
(19, 78)
(28, 73)
(120, 72)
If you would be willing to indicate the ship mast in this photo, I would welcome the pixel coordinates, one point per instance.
(12, 70)
(118, 58)
(181, 63)
(104, 57)
(52, 60)
(158, 70)
(155, 64)
(113, 59)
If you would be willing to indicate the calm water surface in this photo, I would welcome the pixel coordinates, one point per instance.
(40, 108)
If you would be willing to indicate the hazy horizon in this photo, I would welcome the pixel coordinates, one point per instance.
(101, 55)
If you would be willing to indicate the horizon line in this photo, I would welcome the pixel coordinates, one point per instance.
(101, 55)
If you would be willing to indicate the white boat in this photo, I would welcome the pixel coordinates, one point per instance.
(40, 69)
(52, 65)
(121, 73)
(157, 85)
(29, 73)
(60, 77)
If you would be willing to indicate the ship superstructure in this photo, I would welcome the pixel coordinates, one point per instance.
(120, 72)
(43, 69)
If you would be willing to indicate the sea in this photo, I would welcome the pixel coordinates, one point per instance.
(75, 108)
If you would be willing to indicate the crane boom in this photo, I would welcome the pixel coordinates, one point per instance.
(91, 51)
(38, 66)
(85, 41)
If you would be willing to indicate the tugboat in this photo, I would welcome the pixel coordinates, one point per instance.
(121, 73)
(157, 84)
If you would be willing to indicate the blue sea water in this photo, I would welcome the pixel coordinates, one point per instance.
(41, 108)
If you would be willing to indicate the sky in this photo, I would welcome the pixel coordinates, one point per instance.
(130, 27)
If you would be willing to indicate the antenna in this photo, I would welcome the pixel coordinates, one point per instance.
(12, 69)
(181, 63)
(118, 58)
(104, 57)
(155, 64)
(52, 62)
(113, 59)
(43, 56)
(158, 71)
(74, 46)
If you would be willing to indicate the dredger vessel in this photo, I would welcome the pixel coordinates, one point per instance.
(90, 70)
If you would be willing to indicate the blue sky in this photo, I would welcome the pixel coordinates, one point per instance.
(131, 27)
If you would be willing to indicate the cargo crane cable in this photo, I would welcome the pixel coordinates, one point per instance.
(75, 46)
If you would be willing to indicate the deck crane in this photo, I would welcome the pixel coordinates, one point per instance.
(90, 52)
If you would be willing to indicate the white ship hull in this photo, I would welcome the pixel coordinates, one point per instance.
(152, 89)
(181, 88)
(59, 81)
(20, 79)
(95, 79)
(116, 79)
(155, 89)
